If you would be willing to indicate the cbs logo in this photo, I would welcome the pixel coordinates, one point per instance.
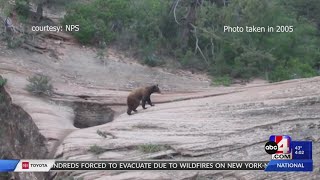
(271, 147)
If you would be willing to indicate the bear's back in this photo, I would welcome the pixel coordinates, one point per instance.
(137, 93)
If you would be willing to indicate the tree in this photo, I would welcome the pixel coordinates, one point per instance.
(187, 19)
(39, 11)
(309, 9)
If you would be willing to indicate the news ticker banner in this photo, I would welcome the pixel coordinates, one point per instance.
(55, 165)
(288, 155)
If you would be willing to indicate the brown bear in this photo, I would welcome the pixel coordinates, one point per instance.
(134, 98)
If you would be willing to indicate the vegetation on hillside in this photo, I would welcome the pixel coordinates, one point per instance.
(192, 33)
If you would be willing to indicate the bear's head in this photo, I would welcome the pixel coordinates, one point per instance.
(155, 89)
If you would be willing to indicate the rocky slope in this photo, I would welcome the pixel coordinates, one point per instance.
(233, 126)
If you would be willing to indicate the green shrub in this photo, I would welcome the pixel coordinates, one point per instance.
(145, 126)
(294, 69)
(81, 15)
(98, 20)
(102, 134)
(150, 57)
(3, 82)
(139, 24)
(252, 63)
(4, 175)
(223, 80)
(279, 74)
(23, 9)
(188, 59)
(101, 53)
(96, 149)
(152, 60)
(40, 85)
(14, 42)
(151, 148)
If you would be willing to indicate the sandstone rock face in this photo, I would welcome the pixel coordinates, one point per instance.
(20, 136)
(190, 120)
(233, 126)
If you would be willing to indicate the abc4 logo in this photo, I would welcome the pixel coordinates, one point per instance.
(278, 145)
(271, 147)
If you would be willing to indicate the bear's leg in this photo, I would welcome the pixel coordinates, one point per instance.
(144, 103)
(129, 111)
(135, 110)
(149, 102)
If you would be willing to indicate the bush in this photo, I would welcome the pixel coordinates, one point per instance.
(14, 42)
(98, 20)
(252, 63)
(23, 9)
(151, 148)
(222, 80)
(81, 15)
(40, 85)
(4, 175)
(139, 24)
(102, 134)
(146, 126)
(96, 149)
(190, 60)
(3, 82)
(101, 53)
(152, 60)
(150, 57)
(292, 70)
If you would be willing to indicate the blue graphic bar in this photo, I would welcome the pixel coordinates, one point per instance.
(301, 149)
(290, 165)
(8, 165)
